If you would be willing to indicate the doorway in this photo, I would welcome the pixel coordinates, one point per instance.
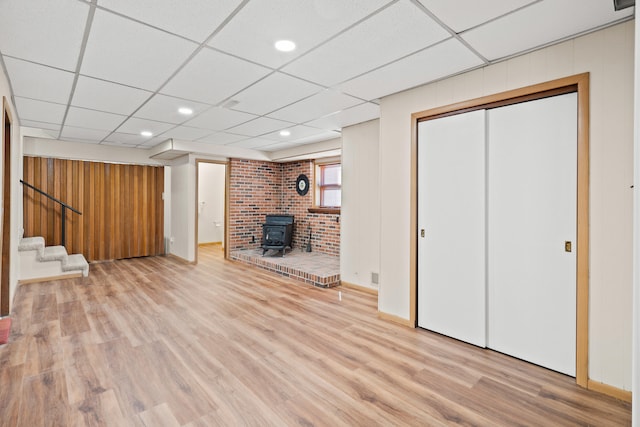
(211, 206)
(6, 210)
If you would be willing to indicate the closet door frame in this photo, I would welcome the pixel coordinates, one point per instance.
(580, 84)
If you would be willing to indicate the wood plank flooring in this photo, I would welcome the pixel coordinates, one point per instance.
(155, 342)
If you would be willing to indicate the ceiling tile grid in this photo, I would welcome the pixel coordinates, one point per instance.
(103, 71)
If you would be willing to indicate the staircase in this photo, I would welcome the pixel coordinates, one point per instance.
(40, 263)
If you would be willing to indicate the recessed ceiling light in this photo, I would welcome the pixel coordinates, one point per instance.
(285, 45)
(146, 133)
(285, 133)
(186, 111)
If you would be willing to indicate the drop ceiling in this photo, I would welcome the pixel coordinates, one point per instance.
(103, 71)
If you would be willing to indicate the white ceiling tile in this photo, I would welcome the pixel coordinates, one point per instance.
(297, 132)
(321, 104)
(222, 138)
(273, 92)
(36, 29)
(135, 126)
(85, 135)
(30, 109)
(393, 33)
(105, 96)
(194, 19)
(165, 108)
(127, 52)
(212, 76)
(350, 116)
(259, 126)
(446, 58)
(278, 146)
(252, 33)
(218, 118)
(91, 119)
(126, 138)
(119, 144)
(186, 133)
(254, 143)
(461, 15)
(40, 125)
(30, 80)
(323, 135)
(539, 24)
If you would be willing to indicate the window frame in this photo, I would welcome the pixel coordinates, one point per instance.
(318, 186)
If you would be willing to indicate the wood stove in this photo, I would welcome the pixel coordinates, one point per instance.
(277, 233)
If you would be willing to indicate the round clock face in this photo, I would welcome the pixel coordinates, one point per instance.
(302, 185)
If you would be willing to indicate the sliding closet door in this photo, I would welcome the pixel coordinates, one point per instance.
(531, 214)
(451, 226)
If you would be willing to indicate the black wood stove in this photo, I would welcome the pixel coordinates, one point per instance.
(277, 233)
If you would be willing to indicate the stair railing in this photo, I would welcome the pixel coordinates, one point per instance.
(61, 203)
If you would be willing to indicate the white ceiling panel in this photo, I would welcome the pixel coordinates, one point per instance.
(252, 33)
(86, 135)
(278, 146)
(36, 29)
(186, 133)
(254, 143)
(273, 92)
(211, 76)
(105, 96)
(555, 20)
(135, 126)
(448, 57)
(130, 139)
(221, 138)
(391, 34)
(461, 15)
(259, 126)
(165, 108)
(91, 119)
(295, 133)
(40, 125)
(30, 80)
(144, 57)
(194, 19)
(119, 144)
(218, 118)
(322, 104)
(317, 137)
(40, 111)
(350, 116)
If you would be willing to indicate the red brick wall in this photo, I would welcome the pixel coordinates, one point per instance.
(259, 188)
(325, 228)
(254, 191)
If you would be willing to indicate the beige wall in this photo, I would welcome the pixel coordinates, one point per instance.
(360, 217)
(16, 188)
(608, 55)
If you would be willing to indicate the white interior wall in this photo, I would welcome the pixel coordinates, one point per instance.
(635, 410)
(608, 56)
(183, 193)
(16, 188)
(359, 214)
(211, 189)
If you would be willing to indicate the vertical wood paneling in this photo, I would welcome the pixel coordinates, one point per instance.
(123, 211)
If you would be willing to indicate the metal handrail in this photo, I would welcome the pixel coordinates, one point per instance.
(61, 203)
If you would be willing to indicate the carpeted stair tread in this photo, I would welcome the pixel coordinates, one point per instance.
(54, 253)
(76, 262)
(31, 244)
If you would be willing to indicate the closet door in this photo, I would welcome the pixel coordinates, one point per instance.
(532, 178)
(451, 211)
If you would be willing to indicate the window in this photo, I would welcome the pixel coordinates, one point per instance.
(329, 187)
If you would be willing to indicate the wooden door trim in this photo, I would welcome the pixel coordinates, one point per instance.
(578, 83)
(227, 179)
(5, 221)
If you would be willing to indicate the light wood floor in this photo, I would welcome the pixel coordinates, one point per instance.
(155, 342)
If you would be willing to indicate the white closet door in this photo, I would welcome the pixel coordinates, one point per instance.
(451, 211)
(531, 214)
